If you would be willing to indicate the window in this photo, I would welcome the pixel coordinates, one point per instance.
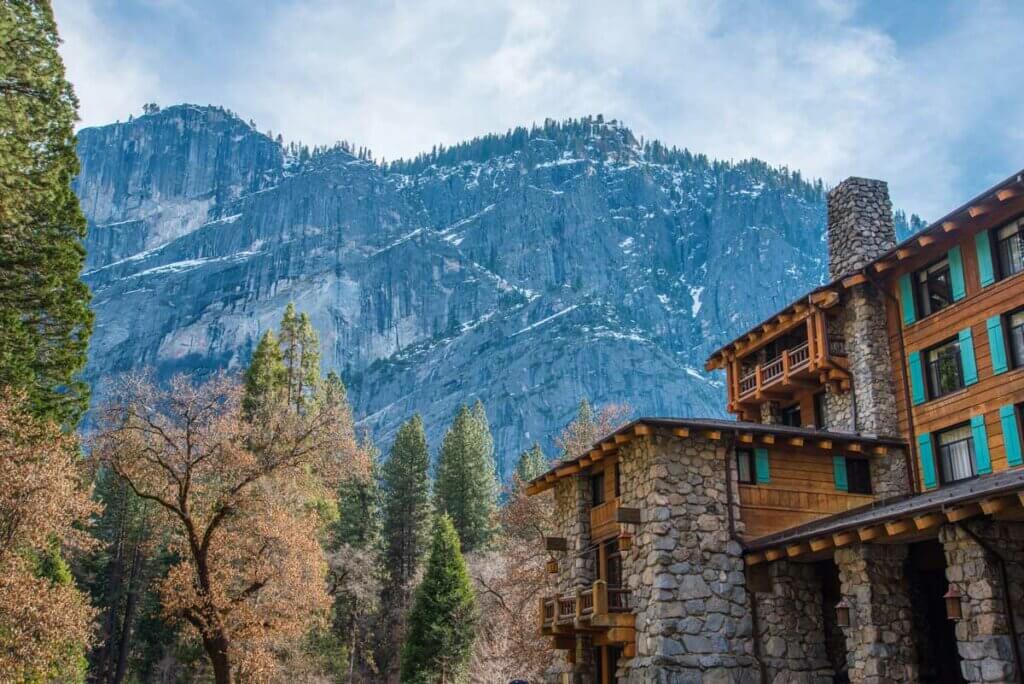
(820, 414)
(613, 564)
(858, 476)
(1010, 248)
(745, 465)
(791, 415)
(956, 454)
(943, 368)
(1015, 331)
(934, 287)
(597, 489)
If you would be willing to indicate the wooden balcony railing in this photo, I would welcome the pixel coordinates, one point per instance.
(786, 365)
(602, 518)
(799, 356)
(584, 607)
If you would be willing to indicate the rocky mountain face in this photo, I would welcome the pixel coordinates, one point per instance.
(527, 269)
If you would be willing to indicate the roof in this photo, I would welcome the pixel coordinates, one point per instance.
(683, 426)
(957, 220)
(913, 505)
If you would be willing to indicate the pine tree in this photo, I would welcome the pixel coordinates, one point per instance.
(466, 488)
(45, 321)
(406, 494)
(359, 509)
(265, 376)
(443, 616)
(532, 463)
(291, 351)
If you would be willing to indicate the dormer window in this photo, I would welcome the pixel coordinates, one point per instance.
(934, 287)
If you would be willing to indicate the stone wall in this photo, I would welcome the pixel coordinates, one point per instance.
(860, 224)
(983, 635)
(867, 346)
(692, 609)
(889, 476)
(791, 626)
(879, 642)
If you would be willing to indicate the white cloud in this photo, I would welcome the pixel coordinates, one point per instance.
(815, 85)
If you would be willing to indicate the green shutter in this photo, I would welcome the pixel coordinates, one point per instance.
(839, 473)
(997, 344)
(956, 271)
(983, 246)
(967, 357)
(907, 299)
(1011, 434)
(761, 466)
(982, 460)
(916, 378)
(924, 450)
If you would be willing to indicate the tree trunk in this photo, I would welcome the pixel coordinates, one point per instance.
(112, 595)
(138, 561)
(216, 648)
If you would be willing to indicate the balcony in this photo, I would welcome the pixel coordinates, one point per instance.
(602, 612)
(797, 366)
(603, 520)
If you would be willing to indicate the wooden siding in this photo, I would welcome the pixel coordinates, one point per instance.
(991, 391)
(801, 488)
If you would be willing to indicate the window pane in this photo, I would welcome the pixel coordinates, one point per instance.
(597, 489)
(944, 372)
(1010, 247)
(956, 454)
(1016, 334)
(743, 468)
(858, 476)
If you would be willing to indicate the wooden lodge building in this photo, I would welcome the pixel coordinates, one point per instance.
(863, 518)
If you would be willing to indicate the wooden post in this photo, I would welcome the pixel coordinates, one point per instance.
(757, 378)
(542, 612)
(812, 347)
(600, 597)
(579, 604)
(602, 562)
(785, 364)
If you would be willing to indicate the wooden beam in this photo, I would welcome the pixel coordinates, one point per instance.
(825, 444)
(753, 558)
(928, 521)
(949, 226)
(1008, 193)
(747, 437)
(681, 432)
(641, 430)
(857, 279)
(895, 527)
(844, 538)
(905, 253)
(926, 240)
(795, 441)
(871, 532)
(596, 455)
(621, 439)
(998, 504)
(768, 439)
(855, 447)
(773, 554)
(822, 543)
(884, 266)
(879, 450)
(977, 210)
(713, 434)
(799, 549)
(565, 471)
(962, 512)
(608, 445)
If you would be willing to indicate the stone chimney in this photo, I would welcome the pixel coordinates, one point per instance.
(860, 229)
(860, 226)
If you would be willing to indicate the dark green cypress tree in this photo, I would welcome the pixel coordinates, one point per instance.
(466, 487)
(532, 463)
(265, 376)
(45, 321)
(406, 494)
(443, 617)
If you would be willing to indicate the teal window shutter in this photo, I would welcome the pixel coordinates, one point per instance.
(916, 378)
(986, 270)
(761, 466)
(967, 361)
(956, 272)
(982, 460)
(1011, 434)
(907, 299)
(997, 344)
(924, 450)
(839, 473)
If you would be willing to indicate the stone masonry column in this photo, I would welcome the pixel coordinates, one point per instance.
(879, 643)
(860, 229)
(791, 626)
(983, 635)
(693, 623)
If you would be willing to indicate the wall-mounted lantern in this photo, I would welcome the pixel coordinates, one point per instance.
(843, 613)
(552, 566)
(954, 607)
(625, 542)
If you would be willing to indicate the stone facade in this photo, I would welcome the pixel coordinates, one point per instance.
(791, 626)
(879, 645)
(983, 635)
(860, 224)
(693, 619)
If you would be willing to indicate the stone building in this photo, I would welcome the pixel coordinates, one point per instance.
(863, 518)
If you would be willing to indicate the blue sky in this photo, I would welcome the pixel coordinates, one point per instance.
(926, 95)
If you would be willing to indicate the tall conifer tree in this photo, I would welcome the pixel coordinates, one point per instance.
(265, 376)
(45, 321)
(466, 487)
(406, 493)
(443, 616)
(532, 463)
